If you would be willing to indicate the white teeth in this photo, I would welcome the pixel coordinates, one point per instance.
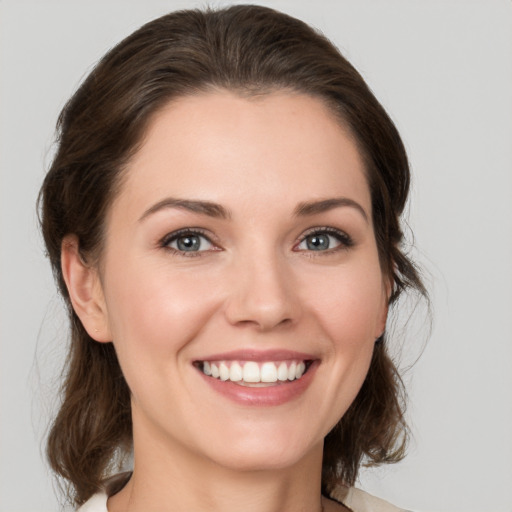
(223, 371)
(292, 371)
(251, 372)
(268, 372)
(282, 372)
(300, 370)
(235, 372)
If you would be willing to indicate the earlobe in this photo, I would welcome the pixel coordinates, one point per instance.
(85, 290)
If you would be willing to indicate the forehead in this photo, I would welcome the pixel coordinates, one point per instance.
(269, 149)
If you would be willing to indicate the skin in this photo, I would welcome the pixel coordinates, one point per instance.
(256, 285)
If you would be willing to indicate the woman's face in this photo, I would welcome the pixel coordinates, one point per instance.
(241, 245)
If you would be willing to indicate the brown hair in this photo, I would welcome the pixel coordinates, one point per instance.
(248, 50)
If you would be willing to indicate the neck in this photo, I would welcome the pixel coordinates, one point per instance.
(177, 479)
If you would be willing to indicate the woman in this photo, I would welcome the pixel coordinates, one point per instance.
(222, 217)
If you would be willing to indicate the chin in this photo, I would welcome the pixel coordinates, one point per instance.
(264, 453)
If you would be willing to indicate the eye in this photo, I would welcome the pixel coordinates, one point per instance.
(187, 241)
(323, 240)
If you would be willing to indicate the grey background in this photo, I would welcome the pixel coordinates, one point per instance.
(443, 69)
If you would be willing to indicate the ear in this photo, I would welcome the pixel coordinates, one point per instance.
(387, 288)
(85, 290)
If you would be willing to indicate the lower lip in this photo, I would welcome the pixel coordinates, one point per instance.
(264, 396)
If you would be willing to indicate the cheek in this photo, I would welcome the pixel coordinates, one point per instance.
(155, 316)
(349, 304)
(155, 313)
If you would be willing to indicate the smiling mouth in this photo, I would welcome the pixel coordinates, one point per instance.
(255, 374)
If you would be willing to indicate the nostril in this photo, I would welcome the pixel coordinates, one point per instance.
(265, 324)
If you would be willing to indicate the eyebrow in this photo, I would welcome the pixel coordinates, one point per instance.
(216, 210)
(196, 206)
(324, 205)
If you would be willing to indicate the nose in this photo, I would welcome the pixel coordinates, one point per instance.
(263, 294)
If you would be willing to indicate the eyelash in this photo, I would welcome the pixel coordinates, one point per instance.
(175, 235)
(344, 240)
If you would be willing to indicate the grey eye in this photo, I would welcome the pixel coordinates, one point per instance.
(319, 242)
(190, 243)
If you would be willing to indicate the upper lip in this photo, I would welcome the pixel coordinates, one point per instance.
(259, 355)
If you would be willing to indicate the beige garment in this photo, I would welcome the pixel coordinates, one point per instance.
(355, 499)
(360, 501)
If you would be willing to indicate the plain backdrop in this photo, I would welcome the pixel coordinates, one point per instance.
(443, 69)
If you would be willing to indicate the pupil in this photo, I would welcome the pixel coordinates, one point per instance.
(318, 242)
(188, 243)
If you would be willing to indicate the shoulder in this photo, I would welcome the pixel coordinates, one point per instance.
(98, 502)
(359, 501)
(352, 498)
